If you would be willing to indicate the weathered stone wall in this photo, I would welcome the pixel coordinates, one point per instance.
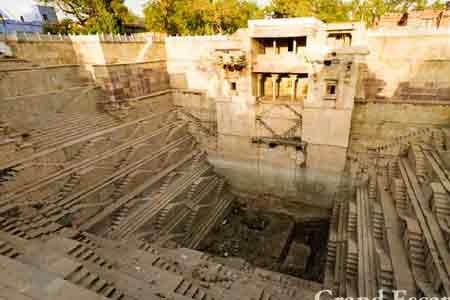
(375, 123)
(46, 53)
(123, 81)
(27, 81)
(22, 110)
(85, 49)
(407, 65)
(132, 52)
(405, 87)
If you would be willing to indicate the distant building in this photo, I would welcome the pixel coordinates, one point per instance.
(47, 13)
(30, 19)
(429, 18)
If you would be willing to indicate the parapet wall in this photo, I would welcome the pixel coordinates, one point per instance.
(85, 49)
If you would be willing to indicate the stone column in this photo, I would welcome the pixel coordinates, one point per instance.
(294, 47)
(300, 86)
(259, 85)
(275, 47)
(293, 78)
(275, 86)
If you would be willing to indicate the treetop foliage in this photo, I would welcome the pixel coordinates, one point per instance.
(91, 16)
(198, 17)
(205, 17)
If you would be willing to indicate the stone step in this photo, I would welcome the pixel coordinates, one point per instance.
(99, 285)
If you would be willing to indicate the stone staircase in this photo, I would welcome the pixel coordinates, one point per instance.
(385, 274)
(144, 246)
(440, 204)
(217, 212)
(378, 222)
(86, 241)
(399, 194)
(69, 186)
(92, 281)
(162, 217)
(85, 254)
(163, 264)
(401, 141)
(416, 250)
(119, 216)
(121, 186)
(419, 161)
(188, 289)
(351, 266)
(372, 190)
(438, 139)
(190, 220)
(6, 249)
(30, 228)
(84, 150)
(352, 218)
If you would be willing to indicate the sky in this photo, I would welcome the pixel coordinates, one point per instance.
(16, 8)
(19, 8)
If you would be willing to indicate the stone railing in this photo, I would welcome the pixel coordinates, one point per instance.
(100, 37)
(200, 38)
(408, 31)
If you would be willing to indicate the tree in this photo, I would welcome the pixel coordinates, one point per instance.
(107, 16)
(326, 10)
(289, 8)
(195, 17)
(341, 10)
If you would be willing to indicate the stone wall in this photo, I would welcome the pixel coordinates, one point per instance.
(132, 52)
(407, 65)
(124, 81)
(23, 110)
(27, 80)
(85, 49)
(46, 53)
(375, 123)
(404, 87)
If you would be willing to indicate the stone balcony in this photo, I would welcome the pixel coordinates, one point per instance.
(281, 63)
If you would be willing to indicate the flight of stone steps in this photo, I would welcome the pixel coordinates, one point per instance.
(8, 250)
(86, 254)
(82, 277)
(406, 211)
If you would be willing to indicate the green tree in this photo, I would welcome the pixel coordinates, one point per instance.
(91, 16)
(289, 8)
(326, 10)
(195, 17)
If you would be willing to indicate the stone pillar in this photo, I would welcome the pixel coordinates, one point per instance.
(293, 78)
(259, 85)
(294, 47)
(299, 87)
(275, 47)
(275, 86)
